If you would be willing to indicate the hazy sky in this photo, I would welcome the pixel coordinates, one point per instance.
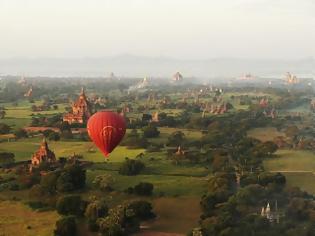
(187, 29)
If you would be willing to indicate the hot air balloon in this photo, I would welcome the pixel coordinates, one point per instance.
(106, 129)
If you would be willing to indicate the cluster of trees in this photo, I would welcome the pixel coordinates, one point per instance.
(123, 219)
(71, 177)
(142, 189)
(131, 167)
(239, 187)
(51, 121)
(6, 158)
(135, 140)
(4, 128)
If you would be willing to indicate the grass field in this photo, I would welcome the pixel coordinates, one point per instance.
(165, 132)
(298, 166)
(23, 150)
(20, 116)
(169, 185)
(16, 217)
(306, 181)
(291, 160)
(264, 134)
(175, 215)
(175, 186)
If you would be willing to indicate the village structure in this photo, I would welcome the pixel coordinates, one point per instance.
(43, 154)
(81, 110)
(215, 109)
(264, 102)
(247, 77)
(155, 117)
(272, 216)
(143, 84)
(177, 77)
(291, 79)
(29, 93)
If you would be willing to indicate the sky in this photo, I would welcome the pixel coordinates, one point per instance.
(182, 29)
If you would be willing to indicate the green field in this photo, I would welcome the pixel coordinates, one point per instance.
(298, 166)
(175, 215)
(23, 150)
(291, 160)
(306, 181)
(265, 134)
(165, 132)
(20, 116)
(16, 218)
(169, 185)
(175, 186)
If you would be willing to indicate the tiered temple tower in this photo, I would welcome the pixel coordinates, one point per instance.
(81, 110)
(43, 154)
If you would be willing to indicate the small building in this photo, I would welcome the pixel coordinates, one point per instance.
(155, 117)
(291, 79)
(271, 215)
(43, 154)
(29, 93)
(177, 77)
(81, 110)
(264, 102)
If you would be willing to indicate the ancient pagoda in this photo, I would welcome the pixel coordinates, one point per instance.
(81, 110)
(43, 154)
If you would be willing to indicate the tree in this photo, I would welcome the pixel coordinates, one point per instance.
(20, 133)
(64, 182)
(64, 126)
(144, 189)
(47, 132)
(48, 182)
(2, 114)
(71, 178)
(71, 205)
(176, 138)
(121, 220)
(104, 182)
(150, 131)
(66, 226)
(54, 136)
(142, 209)
(222, 184)
(131, 167)
(4, 128)
(292, 131)
(6, 158)
(96, 209)
(250, 195)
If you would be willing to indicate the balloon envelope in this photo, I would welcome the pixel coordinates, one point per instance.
(106, 129)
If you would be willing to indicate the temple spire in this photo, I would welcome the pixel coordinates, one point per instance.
(82, 91)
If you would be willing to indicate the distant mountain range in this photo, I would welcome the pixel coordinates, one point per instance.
(137, 66)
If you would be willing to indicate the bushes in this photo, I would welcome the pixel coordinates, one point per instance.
(144, 189)
(104, 182)
(142, 209)
(121, 220)
(71, 178)
(131, 167)
(20, 133)
(66, 226)
(150, 131)
(71, 205)
(4, 129)
(6, 158)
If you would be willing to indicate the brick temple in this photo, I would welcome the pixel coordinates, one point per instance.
(81, 110)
